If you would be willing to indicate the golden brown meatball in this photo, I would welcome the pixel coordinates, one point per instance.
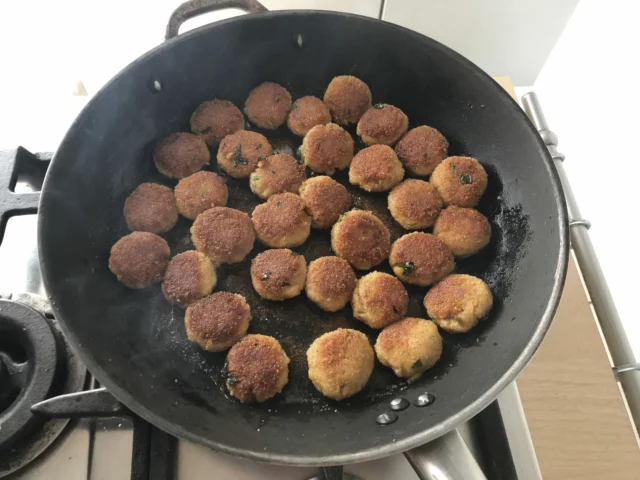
(422, 149)
(223, 234)
(379, 299)
(414, 204)
(199, 192)
(282, 222)
(409, 347)
(190, 276)
(257, 369)
(278, 274)
(180, 155)
(268, 105)
(306, 113)
(327, 148)
(215, 120)
(457, 302)
(139, 259)
(218, 321)
(347, 98)
(277, 174)
(240, 153)
(330, 283)
(420, 258)
(361, 239)
(465, 230)
(376, 169)
(460, 181)
(151, 208)
(325, 200)
(382, 123)
(340, 363)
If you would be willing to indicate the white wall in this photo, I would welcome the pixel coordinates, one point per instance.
(588, 89)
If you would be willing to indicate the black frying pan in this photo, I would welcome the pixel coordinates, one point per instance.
(134, 341)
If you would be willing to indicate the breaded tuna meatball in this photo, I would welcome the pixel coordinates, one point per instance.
(457, 302)
(340, 363)
(420, 259)
(465, 230)
(257, 369)
(327, 148)
(139, 259)
(382, 123)
(268, 105)
(306, 113)
(422, 149)
(277, 174)
(199, 192)
(180, 155)
(361, 239)
(215, 120)
(325, 200)
(218, 321)
(190, 276)
(278, 274)
(348, 98)
(282, 222)
(460, 181)
(409, 347)
(414, 204)
(379, 299)
(330, 283)
(223, 234)
(151, 208)
(376, 169)
(240, 153)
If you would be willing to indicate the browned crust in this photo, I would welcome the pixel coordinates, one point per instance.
(199, 192)
(348, 98)
(151, 208)
(397, 336)
(257, 364)
(325, 200)
(278, 174)
(253, 148)
(416, 200)
(361, 238)
(383, 294)
(463, 229)
(331, 277)
(218, 319)
(373, 164)
(382, 125)
(268, 105)
(180, 154)
(449, 175)
(139, 259)
(283, 215)
(185, 277)
(430, 256)
(223, 234)
(422, 149)
(216, 119)
(306, 113)
(327, 148)
(276, 270)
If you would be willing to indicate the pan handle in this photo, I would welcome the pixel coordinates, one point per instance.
(445, 458)
(193, 8)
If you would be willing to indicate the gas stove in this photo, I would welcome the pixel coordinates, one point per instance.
(78, 431)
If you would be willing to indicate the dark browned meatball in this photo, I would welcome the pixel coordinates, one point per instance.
(278, 274)
(325, 200)
(327, 148)
(306, 113)
(361, 239)
(240, 153)
(382, 123)
(190, 276)
(465, 230)
(199, 192)
(215, 120)
(282, 221)
(223, 234)
(348, 98)
(422, 149)
(268, 105)
(414, 204)
(376, 169)
(180, 155)
(151, 208)
(277, 174)
(460, 181)
(420, 258)
(139, 259)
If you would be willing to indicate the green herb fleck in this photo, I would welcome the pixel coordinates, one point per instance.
(273, 171)
(265, 275)
(299, 155)
(340, 217)
(277, 99)
(278, 204)
(378, 106)
(258, 146)
(295, 254)
(417, 364)
(407, 268)
(357, 202)
(465, 179)
(247, 125)
(262, 157)
(238, 159)
(255, 178)
(395, 309)
(284, 284)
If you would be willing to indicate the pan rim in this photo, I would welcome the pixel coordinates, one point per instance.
(400, 445)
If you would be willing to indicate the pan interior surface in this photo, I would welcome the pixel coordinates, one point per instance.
(135, 342)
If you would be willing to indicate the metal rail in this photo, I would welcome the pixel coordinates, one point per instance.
(625, 367)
